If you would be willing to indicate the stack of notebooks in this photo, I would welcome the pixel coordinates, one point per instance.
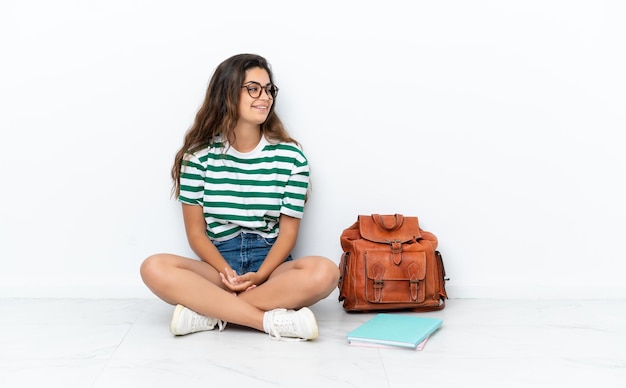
(394, 330)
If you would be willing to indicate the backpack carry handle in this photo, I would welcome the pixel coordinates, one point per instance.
(378, 220)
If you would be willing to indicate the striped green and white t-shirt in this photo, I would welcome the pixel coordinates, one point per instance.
(245, 191)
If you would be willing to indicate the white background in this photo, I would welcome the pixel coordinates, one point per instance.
(499, 123)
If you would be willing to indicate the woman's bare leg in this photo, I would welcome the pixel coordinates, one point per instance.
(197, 286)
(295, 284)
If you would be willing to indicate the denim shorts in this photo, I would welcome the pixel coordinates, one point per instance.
(246, 252)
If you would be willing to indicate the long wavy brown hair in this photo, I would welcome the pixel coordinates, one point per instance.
(219, 111)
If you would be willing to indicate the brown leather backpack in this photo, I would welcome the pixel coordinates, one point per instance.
(390, 263)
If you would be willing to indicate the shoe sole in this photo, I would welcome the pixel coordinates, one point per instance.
(311, 318)
(177, 311)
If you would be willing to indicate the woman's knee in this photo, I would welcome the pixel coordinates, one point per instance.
(325, 272)
(154, 267)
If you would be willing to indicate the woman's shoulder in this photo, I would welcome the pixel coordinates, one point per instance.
(216, 143)
(291, 148)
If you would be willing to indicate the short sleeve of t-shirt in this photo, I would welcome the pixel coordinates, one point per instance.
(296, 187)
(192, 181)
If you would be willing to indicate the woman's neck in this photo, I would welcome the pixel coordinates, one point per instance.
(246, 138)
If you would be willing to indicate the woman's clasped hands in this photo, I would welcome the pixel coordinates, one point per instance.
(238, 283)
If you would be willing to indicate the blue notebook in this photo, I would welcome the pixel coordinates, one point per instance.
(394, 330)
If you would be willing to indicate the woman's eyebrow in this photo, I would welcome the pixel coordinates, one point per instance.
(256, 82)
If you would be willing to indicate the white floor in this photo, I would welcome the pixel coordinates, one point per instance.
(483, 343)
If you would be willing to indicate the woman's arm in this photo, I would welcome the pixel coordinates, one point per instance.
(195, 228)
(286, 241)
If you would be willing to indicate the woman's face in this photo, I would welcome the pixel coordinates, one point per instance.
(255, 110)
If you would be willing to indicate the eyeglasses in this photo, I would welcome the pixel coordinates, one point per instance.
(255, 90)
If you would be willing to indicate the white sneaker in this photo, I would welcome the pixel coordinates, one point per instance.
(185, 321)
(295, 325)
